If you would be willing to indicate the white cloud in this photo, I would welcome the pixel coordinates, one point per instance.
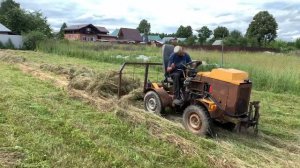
(167, 15)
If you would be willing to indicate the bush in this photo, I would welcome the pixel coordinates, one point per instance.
(31, 39)
(297, 43)
(282, 46)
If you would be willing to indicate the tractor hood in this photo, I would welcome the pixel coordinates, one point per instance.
(233, 76)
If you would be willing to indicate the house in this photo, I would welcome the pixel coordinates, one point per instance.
(169, 40)
(181, 39)
(217, 43)
(104, 35)
(115, 32)
(151, 38)
(5, 30)
(129, 35)
(7, 36)
(87, 32)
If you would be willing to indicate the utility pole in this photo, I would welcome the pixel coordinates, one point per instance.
(222, 51)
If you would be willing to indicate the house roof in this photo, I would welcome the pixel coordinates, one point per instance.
(217, 42)
(130, 34)
(152, 37)
(3, 28)
(102, 29)
(77, 27)
(181, 39)
(115, 32)
(165, 39)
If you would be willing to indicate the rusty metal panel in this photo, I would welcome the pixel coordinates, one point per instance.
(243, 98)
(166, 99)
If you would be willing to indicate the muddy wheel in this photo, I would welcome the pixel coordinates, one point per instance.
(196, 120)
(152, 103)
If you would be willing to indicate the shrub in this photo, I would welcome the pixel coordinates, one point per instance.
(297, 44)
(31, 39)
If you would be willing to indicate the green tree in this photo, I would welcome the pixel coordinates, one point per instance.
(20, 21)
(263, 28)
(235, 34)
(235, 38)
(203, 34)
(144, 27)
(184, 32)
(221, 32)
(31, 39)
(7, 5)
(297, 43)
(191, 40)
(61, 33)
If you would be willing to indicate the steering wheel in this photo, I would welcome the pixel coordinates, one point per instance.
(192, 65)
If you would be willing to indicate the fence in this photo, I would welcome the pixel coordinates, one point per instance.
(231, 48)
(16, 40)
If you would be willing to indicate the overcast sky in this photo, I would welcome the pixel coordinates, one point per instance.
(167, 15)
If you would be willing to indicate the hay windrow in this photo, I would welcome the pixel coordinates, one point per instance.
(97, 84)
(12, 59)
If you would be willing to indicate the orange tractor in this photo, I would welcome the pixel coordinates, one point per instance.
(221, 95)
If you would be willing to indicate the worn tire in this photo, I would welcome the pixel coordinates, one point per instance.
(152, 103)
(196, 120)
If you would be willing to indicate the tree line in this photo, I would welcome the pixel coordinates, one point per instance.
(262, 30)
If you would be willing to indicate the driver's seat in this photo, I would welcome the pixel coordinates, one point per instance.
(167, 50)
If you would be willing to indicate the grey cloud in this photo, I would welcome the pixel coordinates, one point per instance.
(224, 14)
(275, 5)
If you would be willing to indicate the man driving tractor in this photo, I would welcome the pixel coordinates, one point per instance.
(176, 69)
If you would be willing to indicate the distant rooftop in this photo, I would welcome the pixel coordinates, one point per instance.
(3, 28)
(115, 32)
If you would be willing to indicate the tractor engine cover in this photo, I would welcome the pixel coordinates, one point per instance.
(231, 88)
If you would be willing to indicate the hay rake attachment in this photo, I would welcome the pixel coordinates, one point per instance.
(134, 64)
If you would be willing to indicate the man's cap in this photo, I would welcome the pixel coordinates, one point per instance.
(177, 49)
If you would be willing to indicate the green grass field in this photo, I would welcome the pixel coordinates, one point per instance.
(42, 126)
(278, 73)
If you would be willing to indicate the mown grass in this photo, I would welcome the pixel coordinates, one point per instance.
(278, 73)
(52, 130)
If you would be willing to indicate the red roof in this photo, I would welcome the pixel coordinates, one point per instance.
(130, 35)
(102, 29)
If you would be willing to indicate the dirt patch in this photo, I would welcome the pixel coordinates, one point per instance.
(10, 159)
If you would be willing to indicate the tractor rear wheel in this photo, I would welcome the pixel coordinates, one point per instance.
(152, 103)
(196, 120)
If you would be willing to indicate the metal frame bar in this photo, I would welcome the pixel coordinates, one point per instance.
(146, 64)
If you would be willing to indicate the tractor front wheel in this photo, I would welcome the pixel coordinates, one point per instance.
(152, 103)
(196, 120)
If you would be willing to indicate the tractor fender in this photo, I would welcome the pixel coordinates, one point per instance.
(210, 106)
(165, 98)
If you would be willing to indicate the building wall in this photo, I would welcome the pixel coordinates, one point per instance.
(81, 37)
(15, 39)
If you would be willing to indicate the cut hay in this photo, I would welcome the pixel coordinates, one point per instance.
(12, 59)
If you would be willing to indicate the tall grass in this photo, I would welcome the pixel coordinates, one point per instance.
(104, 52)
(279, 73)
